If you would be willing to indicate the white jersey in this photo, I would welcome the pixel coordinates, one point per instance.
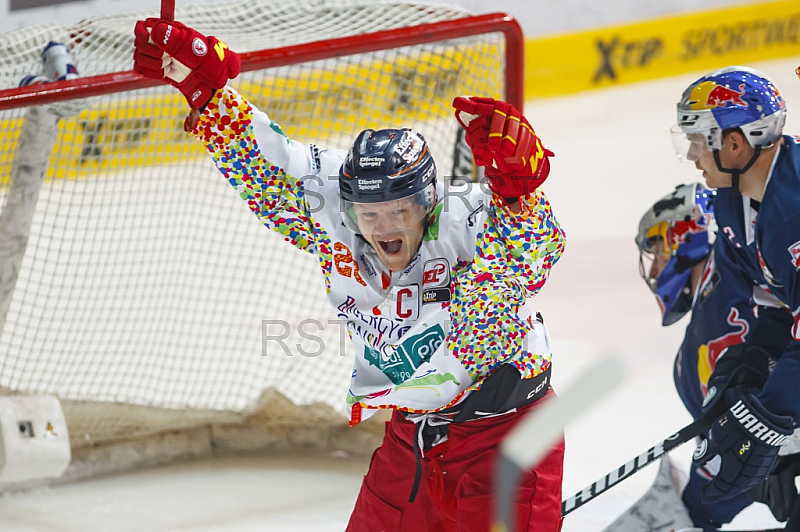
(423, 336)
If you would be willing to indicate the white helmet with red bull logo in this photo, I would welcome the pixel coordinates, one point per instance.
(730, 98)
(675, 234)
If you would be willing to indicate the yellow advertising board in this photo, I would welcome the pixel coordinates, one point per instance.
(701, 41)
(130, 130)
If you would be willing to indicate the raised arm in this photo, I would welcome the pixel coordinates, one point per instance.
(251, 151)
(513, 248)
(523, 239)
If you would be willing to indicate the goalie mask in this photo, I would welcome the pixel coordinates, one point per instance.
(674, 235)
(387, 190)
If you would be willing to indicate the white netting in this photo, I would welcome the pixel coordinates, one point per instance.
(146, 280)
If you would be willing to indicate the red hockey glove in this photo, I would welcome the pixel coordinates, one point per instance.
(503, 142)
(195, 64)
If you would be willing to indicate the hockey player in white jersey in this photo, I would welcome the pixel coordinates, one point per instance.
(435, 290)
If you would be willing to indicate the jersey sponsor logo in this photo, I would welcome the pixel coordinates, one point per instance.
(710, 352)
(403, 361)
(436, 281)
(367, 265)
(794, 251)
(436, 295)
(436, 273)
(199, 47)
(375, 330)
(411, 264)
(431, 378)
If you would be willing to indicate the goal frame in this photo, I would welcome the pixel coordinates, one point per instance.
(186, 433)
(312, 51)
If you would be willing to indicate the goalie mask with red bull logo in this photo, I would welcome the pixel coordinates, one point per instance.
(674, 235)
(729, 98)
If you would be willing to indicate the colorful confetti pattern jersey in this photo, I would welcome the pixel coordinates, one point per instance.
(424, 336)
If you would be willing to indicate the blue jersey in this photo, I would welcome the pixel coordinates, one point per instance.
(722, 315)
(766, 247)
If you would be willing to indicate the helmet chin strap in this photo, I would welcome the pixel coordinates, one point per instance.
(736, 173)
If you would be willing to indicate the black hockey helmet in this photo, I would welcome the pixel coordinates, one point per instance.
(386, 165)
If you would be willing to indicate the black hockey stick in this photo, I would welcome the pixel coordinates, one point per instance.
(646, 458)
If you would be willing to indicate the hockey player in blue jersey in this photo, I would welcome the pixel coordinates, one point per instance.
(675, 239)
(730, 126)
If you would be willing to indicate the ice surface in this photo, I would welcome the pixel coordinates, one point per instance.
(613, 159)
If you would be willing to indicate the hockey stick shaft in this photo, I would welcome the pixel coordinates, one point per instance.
(646, 458)
(168, 9)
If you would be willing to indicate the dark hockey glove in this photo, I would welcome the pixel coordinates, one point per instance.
(738, 365)
(747, 438)
(197, 65)
(504, 143)
(778, 491)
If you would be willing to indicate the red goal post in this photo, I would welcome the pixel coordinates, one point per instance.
(135, 285)
(275, 57)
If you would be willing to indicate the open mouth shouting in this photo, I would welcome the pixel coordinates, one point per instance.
(391, 247)
(393, 228)
(395, 251)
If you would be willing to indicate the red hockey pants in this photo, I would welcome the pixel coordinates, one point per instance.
(455, 494)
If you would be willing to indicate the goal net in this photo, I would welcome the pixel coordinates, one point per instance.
(135, 285)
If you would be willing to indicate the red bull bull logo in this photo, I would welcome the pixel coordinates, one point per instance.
(710, 95)
(709, 353)
(680, 230)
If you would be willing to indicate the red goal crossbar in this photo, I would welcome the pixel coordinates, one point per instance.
(275, 57)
